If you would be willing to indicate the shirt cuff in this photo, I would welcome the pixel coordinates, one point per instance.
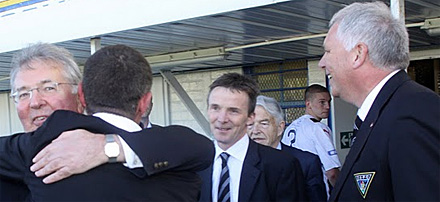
(131, 159)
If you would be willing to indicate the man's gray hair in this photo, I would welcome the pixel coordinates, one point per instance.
(272, 106)
(45, 52)
(373, 24)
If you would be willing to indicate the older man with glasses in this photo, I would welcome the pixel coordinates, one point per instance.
(44, 83)
(44, 78)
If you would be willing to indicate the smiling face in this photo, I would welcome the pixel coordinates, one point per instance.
(336, 63)
(33, 113)
(265, 130)
(228, 115)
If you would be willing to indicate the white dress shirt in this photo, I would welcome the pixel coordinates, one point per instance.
(132, 160)
(368, 102)
(237, 154)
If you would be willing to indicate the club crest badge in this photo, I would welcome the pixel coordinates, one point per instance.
(363, 182)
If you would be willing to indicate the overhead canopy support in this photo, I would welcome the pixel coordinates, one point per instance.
(187, 101)
(95, 44)
(398, 9)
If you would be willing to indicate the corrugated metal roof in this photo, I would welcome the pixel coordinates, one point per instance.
(241, 27)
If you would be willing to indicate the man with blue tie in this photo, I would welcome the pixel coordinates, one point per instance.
(244, 170)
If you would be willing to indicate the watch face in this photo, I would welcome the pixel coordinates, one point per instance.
(111, 149)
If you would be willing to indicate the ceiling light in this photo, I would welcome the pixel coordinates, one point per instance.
(432, 26)
(188, 57)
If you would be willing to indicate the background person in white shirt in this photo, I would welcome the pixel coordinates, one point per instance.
(309, 134)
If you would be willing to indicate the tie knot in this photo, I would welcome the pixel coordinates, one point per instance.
(224, 156)
(357, 123)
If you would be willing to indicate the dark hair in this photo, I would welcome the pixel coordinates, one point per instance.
(313, 89)
(238, 82)
(115, 78)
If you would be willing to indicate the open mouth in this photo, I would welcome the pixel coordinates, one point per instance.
(39, 120)
(256, 139)
(222, 129)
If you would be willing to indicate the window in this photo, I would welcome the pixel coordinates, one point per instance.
(284, 81)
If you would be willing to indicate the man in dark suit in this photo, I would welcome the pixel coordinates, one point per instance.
(268, 128)
(244, 170)
(395, 156)
(163, 176)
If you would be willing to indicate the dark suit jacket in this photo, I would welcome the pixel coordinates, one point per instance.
(184, 151)
(267, 175)
(396, 153)
(311, 168)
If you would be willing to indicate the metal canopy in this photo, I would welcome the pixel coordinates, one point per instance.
(241, 27)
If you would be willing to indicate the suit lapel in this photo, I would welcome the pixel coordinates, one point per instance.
(250, 172)
(364, 132)
(206, 189)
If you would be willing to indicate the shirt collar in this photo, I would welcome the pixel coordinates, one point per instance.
(368, 102)
(235, 150)
(279, 146)
(121, 122)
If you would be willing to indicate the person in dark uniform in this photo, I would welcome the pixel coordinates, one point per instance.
(395, 156)
(267, 129)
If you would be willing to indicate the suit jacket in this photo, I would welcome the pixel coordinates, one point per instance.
(311, 168)
(171, 157)
(267, 175)
(396, 153)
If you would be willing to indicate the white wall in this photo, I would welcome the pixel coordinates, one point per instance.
(9, 122)
(196, 84)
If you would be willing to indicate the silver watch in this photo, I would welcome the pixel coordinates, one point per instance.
(111, 148)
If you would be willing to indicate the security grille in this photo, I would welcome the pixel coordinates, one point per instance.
(284, 81)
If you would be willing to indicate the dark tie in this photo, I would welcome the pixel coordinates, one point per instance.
(357, 125)
(223, 187)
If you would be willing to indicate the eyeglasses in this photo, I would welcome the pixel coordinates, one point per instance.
(45, 90)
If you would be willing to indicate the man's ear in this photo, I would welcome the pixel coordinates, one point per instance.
(359, 54)
(143, 104)
(281, 127)
(82, 99)
(308, 103)
(251, 119)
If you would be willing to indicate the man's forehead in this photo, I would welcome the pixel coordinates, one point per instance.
(322, 96)
(39, 73)
(262, 114)
(27, 86)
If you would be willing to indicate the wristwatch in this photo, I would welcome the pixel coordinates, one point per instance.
(111, 148)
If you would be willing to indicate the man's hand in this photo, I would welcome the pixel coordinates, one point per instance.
(73, 152)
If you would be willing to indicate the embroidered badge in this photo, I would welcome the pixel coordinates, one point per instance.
(363, 182)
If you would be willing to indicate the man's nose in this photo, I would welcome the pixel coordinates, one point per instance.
(36, 100)
(222, 116)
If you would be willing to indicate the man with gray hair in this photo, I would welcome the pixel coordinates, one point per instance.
(396, 153)
(267, 129)
(45, 79)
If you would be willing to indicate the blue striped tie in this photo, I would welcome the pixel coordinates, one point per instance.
(223, 187)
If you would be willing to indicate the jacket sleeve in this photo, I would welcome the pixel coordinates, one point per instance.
(171, 148)
(291, 186)
(315, 183)
(414, 157)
